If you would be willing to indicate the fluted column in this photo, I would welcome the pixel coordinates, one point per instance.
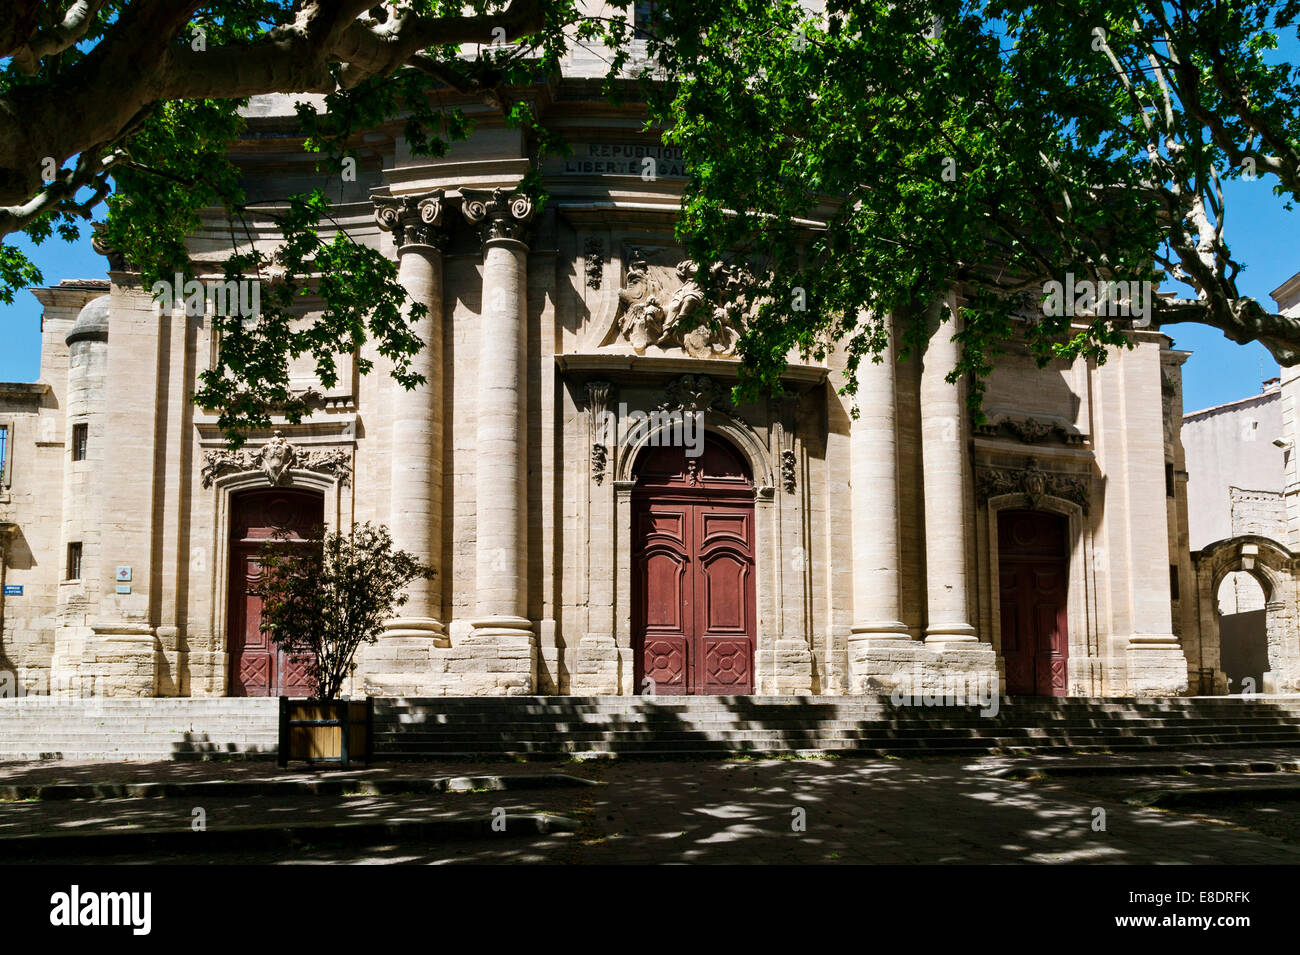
(501, 576)
(416, 502)
(877, 562)
(945, 461)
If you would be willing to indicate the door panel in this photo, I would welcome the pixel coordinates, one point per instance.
(694, 624)
(257, 666)
(1032, 588)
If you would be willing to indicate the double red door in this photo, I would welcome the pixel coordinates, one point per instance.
(257, 666)
(1033, 567)
(693, 554)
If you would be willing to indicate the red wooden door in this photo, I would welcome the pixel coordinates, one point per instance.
(1033, 567)
(257, 666)
(693, 569)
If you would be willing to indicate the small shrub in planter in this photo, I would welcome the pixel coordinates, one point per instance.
(322, 598)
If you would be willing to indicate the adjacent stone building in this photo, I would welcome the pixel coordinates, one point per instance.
(602, 517)
(1244, 528)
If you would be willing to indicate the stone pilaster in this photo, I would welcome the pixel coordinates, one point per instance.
(501, 572)
(596, 667)
(879, 641)
(1131, 454)
(401, 662)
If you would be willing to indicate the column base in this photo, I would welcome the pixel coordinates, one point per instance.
(401, 662)
(597, 671)
(498, 657)
(1156, 665)
(942, 638)
(792, 666)
(913, 669)
(121, 660)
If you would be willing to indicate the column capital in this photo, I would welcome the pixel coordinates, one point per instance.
(499, 214)
(413, 220)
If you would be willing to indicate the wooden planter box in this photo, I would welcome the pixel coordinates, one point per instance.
(326, 731)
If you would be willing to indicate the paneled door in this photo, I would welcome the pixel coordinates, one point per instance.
(1033, 567)
(257, 666)
(694, 624)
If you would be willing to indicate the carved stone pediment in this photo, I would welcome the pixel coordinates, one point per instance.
(1033, 482)
(664, 307)
(276, 459)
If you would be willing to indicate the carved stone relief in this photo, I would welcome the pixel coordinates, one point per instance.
(275, 460)
(668, 309)
(1033, 482)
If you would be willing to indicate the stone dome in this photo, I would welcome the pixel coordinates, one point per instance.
(92, 322)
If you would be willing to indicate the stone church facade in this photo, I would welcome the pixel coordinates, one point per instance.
(602, 517)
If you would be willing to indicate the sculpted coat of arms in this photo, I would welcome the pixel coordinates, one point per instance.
(667, 309)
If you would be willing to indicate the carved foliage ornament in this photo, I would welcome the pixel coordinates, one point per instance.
(1033, 482)
(704, 327)
(276, 459)
(597, 405)
(1032, 430)
(413, 220)
(595, 263)
(498, 214)
(694, 393)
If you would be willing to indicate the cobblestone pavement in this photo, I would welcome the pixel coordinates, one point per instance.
(773, 811)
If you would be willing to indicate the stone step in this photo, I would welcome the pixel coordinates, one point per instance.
(386, 747)
(868, 751)
(385, 742)
(502, 723)
(386, 712)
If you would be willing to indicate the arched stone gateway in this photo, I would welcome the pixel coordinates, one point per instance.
(1273, 567)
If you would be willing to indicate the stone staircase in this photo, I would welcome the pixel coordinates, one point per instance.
(672, 727)
(554, 727)
(42, 727)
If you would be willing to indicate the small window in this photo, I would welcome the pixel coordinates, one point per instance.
(79, 432)
(74, 560)
(1169, 479)
(1173, 581)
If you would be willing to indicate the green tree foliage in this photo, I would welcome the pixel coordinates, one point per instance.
(135, 103)
(864, 159)
(323, 597)
(991, 147)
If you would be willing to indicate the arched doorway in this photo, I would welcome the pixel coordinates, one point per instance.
(693, 609)
(1243, 631)
(1033, 580)
(257, 666)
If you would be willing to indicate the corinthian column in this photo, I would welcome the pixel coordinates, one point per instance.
(416, 503)
(944, 455)
(501, 576)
